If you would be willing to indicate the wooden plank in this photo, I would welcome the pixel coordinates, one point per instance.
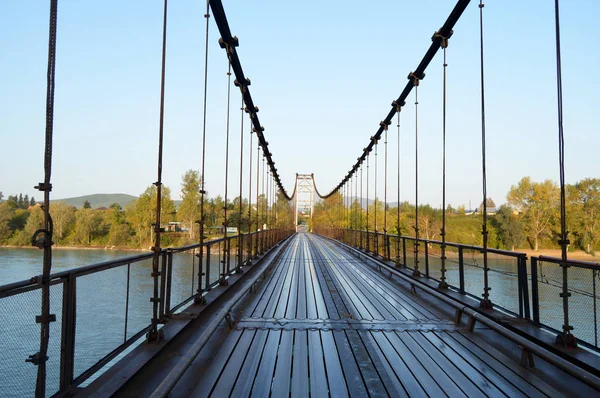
(284, 292)
(385, 370)
(301, 290)
(232, 369)
(317, 291)
(477, 372)
(215, 369)
(311, 301)
(316, 366)
(266, 369)
(290, 309)
(335, 374)
(283, 366)
(333, 302)
(524, 379)
(247, 375)
(418, 370)
(299, 380)
(273, 287)
(445, 376)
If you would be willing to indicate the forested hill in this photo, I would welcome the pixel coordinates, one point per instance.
(99, 200)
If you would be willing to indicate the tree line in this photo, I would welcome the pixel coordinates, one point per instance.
(529, 220)
(132, 226)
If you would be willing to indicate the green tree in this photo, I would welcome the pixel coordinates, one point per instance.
(537, 203)
(87, 204)
(189, 209)
(510, 230)
(87, 222)
(32, 202)
(63, 217)
(583, 213)
(141, 213)
(6, 214)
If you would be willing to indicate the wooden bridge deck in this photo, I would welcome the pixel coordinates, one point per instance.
(326, 324)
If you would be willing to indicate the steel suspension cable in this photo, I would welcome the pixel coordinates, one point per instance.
(361, 206)
(398, 109)
(256, 248)
(39, 359)
(566, 337)
(154, 334)
(239, 243)
(443, 284)
(375, 195)
(367, 242)
(416, 227)
(226, 242)
(201, 222)
(250, 199)
(385, 175)
(485, 302)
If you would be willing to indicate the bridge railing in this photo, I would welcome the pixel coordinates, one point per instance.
(103, 309)
(578, 311)
(534, 292)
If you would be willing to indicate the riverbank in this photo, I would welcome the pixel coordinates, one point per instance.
(579, 255)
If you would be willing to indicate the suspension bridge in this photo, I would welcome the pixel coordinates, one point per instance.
(349, 309)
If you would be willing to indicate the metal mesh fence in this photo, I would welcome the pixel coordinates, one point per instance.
(184, 276)
(583, 304)
(100, 319)
(473, 266)
(504, 281)
(549, 289)
(21, 338)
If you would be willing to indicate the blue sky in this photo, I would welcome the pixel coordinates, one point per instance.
(323, 74)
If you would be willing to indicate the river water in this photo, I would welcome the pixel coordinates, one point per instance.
(102, 324)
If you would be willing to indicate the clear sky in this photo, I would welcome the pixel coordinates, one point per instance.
(323, 74)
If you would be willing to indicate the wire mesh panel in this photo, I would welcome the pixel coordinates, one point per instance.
(20, 338)
(549, 289)
(473, 265)
(100, 318)
(504, 280)
(184, 276)
(583, 303)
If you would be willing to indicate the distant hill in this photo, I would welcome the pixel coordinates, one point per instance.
(99, 200)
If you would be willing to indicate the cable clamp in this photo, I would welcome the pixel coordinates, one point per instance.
(234, 42)
(415, 79)
(43, 187)
(244, 83)
(384, 124)
(36, 359)
(45, 318)
(443, 40)
(397, 105)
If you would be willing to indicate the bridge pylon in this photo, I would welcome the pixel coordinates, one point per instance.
(305, 196)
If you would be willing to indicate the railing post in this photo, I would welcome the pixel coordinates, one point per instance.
(461, 270)
(387, 247)
(169, 280)
(67, 345)
(207, 273)
(566, 338)
(427, 259)
(163, 285)
(404, 252)
(535, 298)
(524, 310)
